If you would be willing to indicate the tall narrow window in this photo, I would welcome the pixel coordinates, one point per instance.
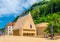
(30, 26)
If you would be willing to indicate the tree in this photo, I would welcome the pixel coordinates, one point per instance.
(55, 21)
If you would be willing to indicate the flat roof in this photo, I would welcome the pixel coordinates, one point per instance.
(41, 25)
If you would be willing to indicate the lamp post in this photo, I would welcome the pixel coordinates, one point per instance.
(51, 27)
(51, 31)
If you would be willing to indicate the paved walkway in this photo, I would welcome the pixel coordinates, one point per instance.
(24, 39)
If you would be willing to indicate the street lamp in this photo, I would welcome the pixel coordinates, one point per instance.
(51, 31)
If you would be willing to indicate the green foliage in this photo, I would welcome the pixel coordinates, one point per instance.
(2, 29)
(53, 19)
(46, 11)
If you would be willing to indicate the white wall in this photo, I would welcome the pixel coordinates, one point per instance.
(9, 29)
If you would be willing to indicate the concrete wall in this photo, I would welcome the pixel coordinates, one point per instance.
(25, 26)
(40, 31)
(16, 32)
(29, 21)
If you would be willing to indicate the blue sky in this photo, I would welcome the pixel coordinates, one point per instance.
(9, 9)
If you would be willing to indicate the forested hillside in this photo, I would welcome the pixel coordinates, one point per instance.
(42, 9)
(46, 11)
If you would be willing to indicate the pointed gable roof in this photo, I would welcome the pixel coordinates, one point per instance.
(20, 22)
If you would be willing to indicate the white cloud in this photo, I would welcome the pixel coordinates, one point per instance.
(14, 6)
(8, 6)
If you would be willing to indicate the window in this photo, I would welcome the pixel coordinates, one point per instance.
(9, 28)
(30, 26)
